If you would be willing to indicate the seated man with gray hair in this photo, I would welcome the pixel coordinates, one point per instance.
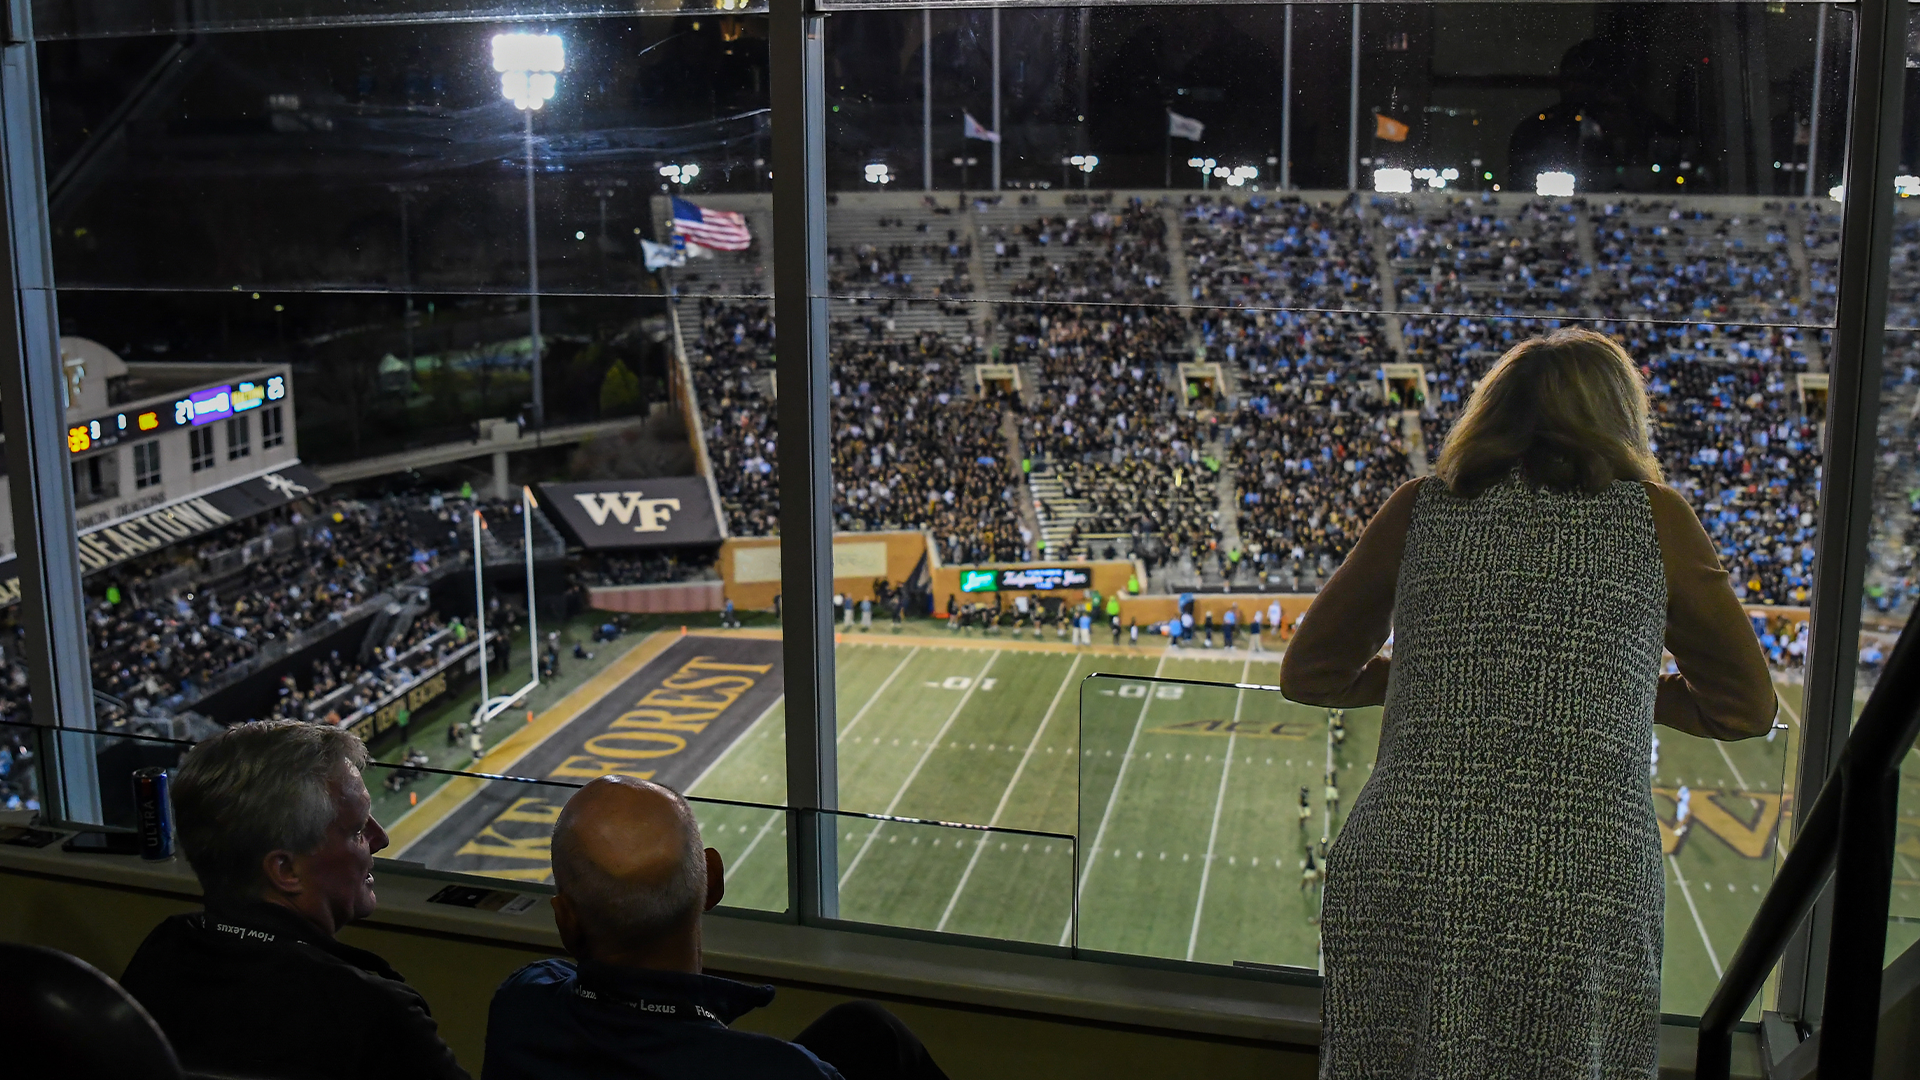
(633, 881)
(277, 824)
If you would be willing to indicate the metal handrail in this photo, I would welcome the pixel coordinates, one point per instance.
(1848, 833)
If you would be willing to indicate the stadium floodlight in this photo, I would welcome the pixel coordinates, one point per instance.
(529, 65)
(1838, 193)
(1393, 181)
(1553, 185)
(878, 174)
(1084, 162)
(1236, 176)
(1906, 186)
(680, 174)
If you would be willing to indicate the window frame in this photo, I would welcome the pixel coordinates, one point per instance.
(41, 484)
(146, 465)
(239, 437)
(202, 457)
(273, 431)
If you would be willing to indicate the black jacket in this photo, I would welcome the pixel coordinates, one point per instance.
(554, 1020)
(256, 991)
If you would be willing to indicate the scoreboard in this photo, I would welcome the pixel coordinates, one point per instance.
(198, 408)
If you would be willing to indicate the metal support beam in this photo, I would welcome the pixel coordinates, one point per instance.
(798, 63)
(1853, 406)
(1353, 108)
(33, 400)
(926, 99)
(1286, 104)
(1001, 136)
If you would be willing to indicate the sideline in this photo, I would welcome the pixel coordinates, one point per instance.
(505, 754)
(950, 640)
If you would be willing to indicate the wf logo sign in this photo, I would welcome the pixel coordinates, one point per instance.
(624, 506)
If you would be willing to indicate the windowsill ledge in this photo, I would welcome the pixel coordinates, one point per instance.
(848, 961)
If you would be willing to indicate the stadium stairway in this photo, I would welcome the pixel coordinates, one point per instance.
(1056, 522)
(1022, 491)
(1389, 296)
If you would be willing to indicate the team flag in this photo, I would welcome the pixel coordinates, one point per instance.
(725, 230)
(1184, 127)
(659, 255)
(1386, 127)
(972, 129)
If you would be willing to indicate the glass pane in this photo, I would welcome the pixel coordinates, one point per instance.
(59, 19)
(1888, 601)
(1111, 325)
(385, 159)
(503, 828)
(1011, 884)
(374, 365)
(1217, 802)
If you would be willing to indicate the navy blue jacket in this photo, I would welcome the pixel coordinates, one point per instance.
(553, 1021)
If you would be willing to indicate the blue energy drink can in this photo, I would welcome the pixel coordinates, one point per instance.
(150, 801)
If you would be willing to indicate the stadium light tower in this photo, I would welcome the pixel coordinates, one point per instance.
(529, 67)
(1553, 185)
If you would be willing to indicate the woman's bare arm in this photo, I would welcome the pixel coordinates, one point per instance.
(1723, 690)
(1335, 660)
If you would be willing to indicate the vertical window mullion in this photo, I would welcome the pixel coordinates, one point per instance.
(33, 404)
(1853, 405)
(797, 80)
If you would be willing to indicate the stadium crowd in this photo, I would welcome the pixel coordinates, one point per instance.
(1301, 304)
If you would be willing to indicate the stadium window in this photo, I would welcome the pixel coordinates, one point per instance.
(1201, 374)
(239, 438)
(146, 464)
(200, 448)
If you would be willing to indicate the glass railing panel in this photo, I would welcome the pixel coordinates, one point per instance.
(1007, 884)
(481, 824)
(502, 827)
(1203, 805)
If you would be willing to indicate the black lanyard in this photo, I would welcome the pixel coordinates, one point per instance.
(666, 1008)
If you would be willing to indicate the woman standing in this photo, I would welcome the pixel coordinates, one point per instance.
(1493, 905)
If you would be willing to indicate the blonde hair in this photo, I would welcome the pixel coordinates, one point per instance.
(1568, 410)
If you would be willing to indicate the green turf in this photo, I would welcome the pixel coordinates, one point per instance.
(956, 734)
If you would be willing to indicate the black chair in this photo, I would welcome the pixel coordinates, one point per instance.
(66, 1018)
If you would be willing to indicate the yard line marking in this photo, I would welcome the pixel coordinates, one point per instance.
(1792, 713)
(1219, 800)
(757, 837)
(1712, 958)
(1113, 798)
(933, 745)
(715, 763)
(1735, 769)
(1007, 795)
(851, 724)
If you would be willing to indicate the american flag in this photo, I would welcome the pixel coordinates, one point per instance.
(723, 230)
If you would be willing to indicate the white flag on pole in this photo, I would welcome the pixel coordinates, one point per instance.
(1184, 127)
(974, 130)
(659, 255)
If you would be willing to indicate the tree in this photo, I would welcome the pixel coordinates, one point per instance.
(619, 391)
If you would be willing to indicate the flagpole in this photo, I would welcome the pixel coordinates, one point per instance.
(1168, 184)
(926, 98)
(1353, 109)
(1286, 106)
(996, 100)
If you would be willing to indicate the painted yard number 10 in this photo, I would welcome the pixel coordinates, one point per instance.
(961, 682)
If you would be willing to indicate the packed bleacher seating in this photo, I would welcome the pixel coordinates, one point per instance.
(165, 642)
(1103, 302)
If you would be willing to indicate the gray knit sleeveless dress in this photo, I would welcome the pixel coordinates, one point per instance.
(1493, 903)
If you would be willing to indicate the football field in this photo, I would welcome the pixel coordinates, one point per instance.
(1184, 798)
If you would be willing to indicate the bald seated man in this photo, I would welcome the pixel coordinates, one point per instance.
(633, 881)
